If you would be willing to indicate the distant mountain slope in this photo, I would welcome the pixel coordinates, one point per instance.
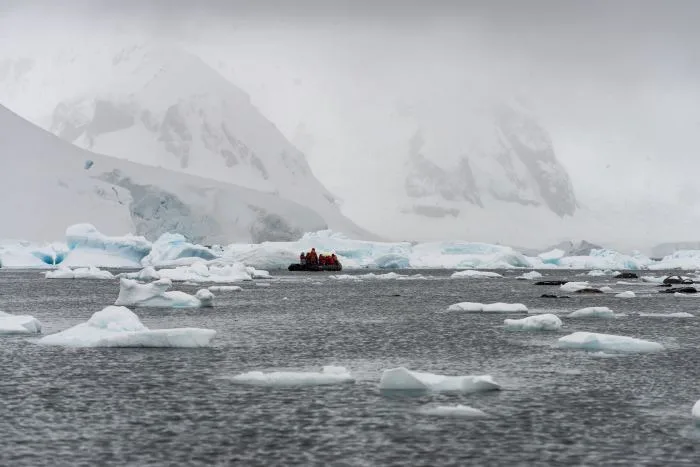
(158, 105)
(48, 184)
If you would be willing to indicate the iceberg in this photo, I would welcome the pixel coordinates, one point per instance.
(592, 312)
(608, 343)
(327, 376)
(401, 379)
(473, 307)
(117, 326)
(20, 254)
(457, 411)
(173, 248)
(89, 247)
(628, 294)
(18, 324)
(471, 273)
(156, 294)
(572, 287)
(544, 322)
(64, 272)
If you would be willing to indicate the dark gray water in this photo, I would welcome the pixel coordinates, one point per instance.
(176, 407)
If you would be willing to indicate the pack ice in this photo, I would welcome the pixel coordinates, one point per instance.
(543, 322)
(117, 326)
(473, 307)
(402, 379)
(327, 376)
(608, 342)
(18, 324)
(156, 294)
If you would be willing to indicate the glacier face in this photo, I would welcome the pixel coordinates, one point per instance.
(156, 104)
(511, 160)
(47, 186)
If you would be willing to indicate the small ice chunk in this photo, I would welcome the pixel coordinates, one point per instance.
(156, 294)
(402, 379)
(696, 411)
(529, 276)
(608, 342)
(572, 287)
(91, 272)
(225, 288)
(472, 307)
(328, 375)
(606, 289)
(474, 274)
(117, 326)
(457, 411)
(544, 322)
(262, 284)
(18, 324)
(628, 294)
(593, 312)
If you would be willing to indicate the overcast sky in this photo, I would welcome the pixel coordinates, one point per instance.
(615, 82)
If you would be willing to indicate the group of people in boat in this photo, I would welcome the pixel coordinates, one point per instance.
(312, 258)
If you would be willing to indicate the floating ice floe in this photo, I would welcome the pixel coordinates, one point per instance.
(373, 276)
(456, 411)
(687, 295)
(592, 312)
(18, 324)
(529, 276)
(600, 273)
(401, 379)
(327, 376)
(544, 322)
(117, 326)
(608, 343)
(474, 274)
(628, 294)
(571, 287)
(156, 294)
(695, 412)
(64, 272)
(680, 314)
(216, 272)
(224, 288)
(473, 307)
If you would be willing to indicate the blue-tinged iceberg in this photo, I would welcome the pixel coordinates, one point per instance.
(89, 247)
(117, 326)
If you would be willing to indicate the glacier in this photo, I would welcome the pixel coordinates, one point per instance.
(117, 326)
(156, 294)
(402, 379)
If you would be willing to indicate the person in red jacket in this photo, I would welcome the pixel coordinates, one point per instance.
(312, 257)
(322, 260)
(334, 260)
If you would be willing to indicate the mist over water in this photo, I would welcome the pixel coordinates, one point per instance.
(613, 85)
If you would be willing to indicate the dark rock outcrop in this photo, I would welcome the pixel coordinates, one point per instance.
(551, 282)
(627, 275)
(687, 290)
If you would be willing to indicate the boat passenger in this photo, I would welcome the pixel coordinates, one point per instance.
(302, 258)
(334, 260)
(322, 260)
(312, 257)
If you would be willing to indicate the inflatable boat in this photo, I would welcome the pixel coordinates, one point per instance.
(315, 267)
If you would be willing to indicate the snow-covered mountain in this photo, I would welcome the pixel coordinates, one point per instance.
(511, 160)
(158, 105)
(48, 184)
